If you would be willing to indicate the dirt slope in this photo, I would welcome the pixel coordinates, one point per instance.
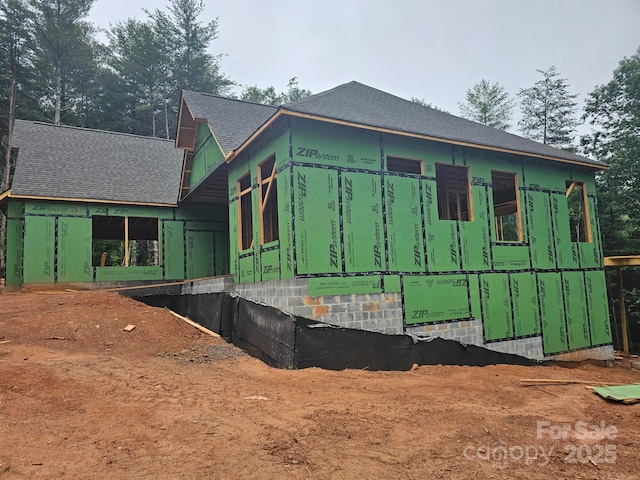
(81, 398)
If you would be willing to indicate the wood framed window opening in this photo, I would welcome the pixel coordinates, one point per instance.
(453, 185)
(245, 214)
(578, 206)
(268, 200)
(404, 165)
(507, 211)
(124, 241)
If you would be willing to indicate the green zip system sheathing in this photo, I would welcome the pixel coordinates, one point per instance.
(552, 313)
(74, 250)
(207, 155)
(599, 323)
(404, 224)
(362, 222)
(496, 306)
(52, 242)
(351, 223)
(435, 298)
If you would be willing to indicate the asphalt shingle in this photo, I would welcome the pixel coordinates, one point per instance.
(71, 162)
(233, 121)
(358, 103)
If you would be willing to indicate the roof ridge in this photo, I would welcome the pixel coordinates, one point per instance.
(96, 130)
(321, 94)
(222, 97)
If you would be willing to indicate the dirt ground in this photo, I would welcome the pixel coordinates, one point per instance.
(82, 398)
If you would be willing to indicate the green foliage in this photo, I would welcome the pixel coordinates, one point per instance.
(64, 57)
(268, 95)
(549, 111)
(187, 40)
(294, 92)
(614, 110)
(424, 103)
(488, 103)
(255, 94)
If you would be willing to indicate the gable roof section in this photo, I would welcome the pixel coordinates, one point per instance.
(231, 120)
(82, 164)
(360, 104)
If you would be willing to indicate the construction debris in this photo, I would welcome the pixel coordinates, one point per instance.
(626, 394)
(128, 328)
(194, 324)
(532, 382)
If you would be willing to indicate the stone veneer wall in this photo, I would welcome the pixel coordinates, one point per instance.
(377, 313)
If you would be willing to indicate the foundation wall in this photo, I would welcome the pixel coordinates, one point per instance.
(377, 312)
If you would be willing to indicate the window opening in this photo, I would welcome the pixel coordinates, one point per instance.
(268, 201)
(577, 202)
(244, 205)
(404, 165)
(124, 241)
(506, 207)
(454, 192)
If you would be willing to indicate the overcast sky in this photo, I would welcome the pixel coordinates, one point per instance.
(428, 49)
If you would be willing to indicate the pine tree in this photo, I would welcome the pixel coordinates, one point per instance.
(488, 103)
(549, 111)
(64, 55)
(15, 37)
(139, 58)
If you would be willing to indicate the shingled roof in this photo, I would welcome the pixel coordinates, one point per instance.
(231, 120)
(361, 104)
(79, 163)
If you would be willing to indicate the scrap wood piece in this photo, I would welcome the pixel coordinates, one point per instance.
(128, 328)
(626, 394)
(5, 341)
(193, 324)
(532, 382)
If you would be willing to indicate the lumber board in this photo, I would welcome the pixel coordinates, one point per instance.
(531, 382)
(194, 324)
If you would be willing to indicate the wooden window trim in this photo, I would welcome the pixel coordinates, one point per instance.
(269, 181)
(243, 193)
(445, 189)
(400, 160)
(518, 205)
(584, 200)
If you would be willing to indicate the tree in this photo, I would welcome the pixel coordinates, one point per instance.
(138, 57)
(614, 110)
(268, 95)
(63, 54)
(255, 94)
(488, 103)
(549, 111)
(15, 35)
(193, 67)
(186, 41)
(424, 103)
(295, 93)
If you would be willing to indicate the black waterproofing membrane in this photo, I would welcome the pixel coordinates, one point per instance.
(286, 341)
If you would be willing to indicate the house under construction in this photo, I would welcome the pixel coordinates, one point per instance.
(351, 207)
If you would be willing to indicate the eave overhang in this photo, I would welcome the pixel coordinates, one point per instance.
(284, 111)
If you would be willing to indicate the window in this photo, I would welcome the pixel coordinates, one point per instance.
(506, 207)
(268, 201)
(245, 234)
(454, 192)
(124, 241)
(577, 202)
(404, 165)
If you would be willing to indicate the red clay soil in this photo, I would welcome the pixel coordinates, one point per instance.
(82, 398)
